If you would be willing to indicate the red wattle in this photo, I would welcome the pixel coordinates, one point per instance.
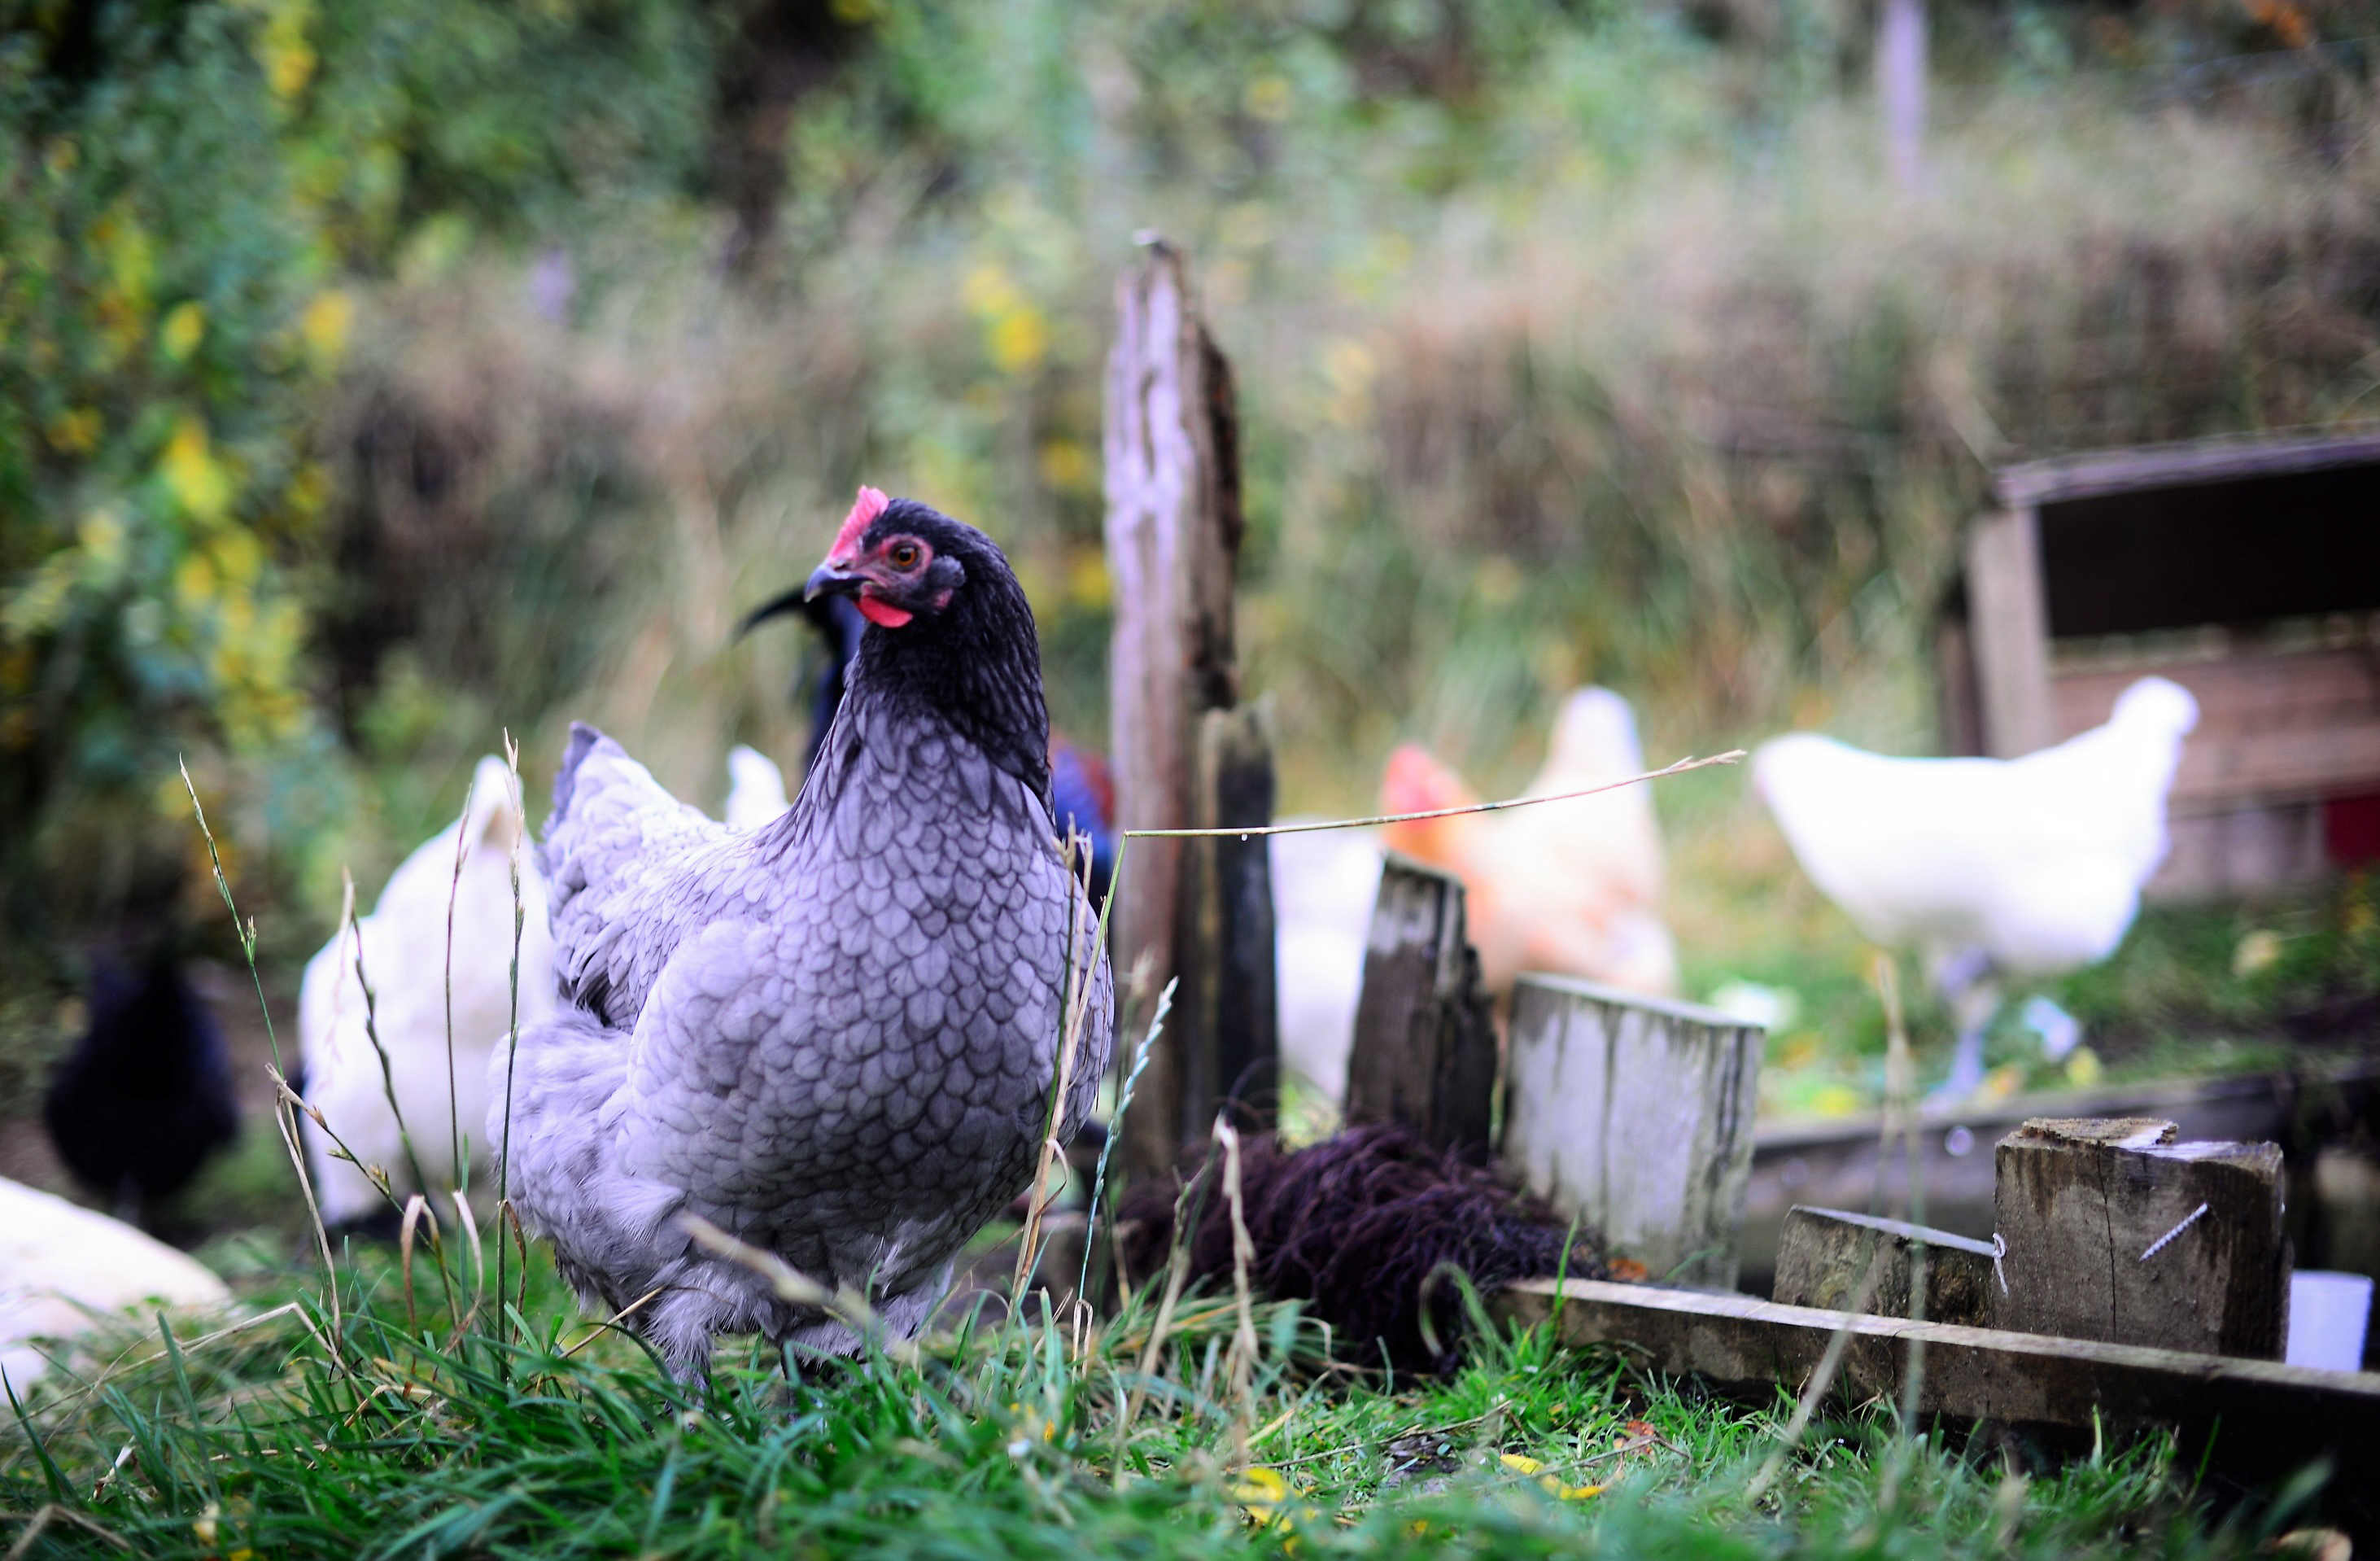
(883, 613)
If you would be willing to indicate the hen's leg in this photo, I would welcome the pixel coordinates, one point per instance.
(1966, 984)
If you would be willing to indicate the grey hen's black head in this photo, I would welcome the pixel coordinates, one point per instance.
(949, 631)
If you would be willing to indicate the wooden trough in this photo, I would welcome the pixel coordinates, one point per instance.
(2246, 570)
(2249, 1424)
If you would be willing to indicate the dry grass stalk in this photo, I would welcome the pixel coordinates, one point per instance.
(1899, 1117)
(1241, 1362)
(512, 1047)
(845, 1305)
(417, 1211)
(1076, 1011)
(454, 891)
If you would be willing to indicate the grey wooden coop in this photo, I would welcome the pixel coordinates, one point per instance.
(2246, 570)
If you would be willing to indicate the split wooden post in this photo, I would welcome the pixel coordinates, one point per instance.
(1635, 1114)
(1187, 753)
(2115, 1231)
(1823, 1257)
(1424, 1047)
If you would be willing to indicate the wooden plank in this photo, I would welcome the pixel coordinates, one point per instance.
(2274, 728)
(2167, 466)
(2253, 1422)
(1173, 526)
(2010, 624)
(2215, 850)
(1424, 1047)
(1634, 1115)
(1224, 1006)
(1832, 1161)
(2117, 1231)
(1825, 1256)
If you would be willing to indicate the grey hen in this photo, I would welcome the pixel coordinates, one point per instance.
(835, 1036)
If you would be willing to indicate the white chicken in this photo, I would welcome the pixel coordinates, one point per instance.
(1323, 886)
(405, 942)
(755, 788)
(62, 1266)
(2027, 867)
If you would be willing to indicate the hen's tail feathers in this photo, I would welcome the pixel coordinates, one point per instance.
(582, 739)
(1363, 1227)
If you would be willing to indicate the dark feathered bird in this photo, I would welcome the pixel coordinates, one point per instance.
(1360, 1227)
(146, 1095)
(838, 624)
(833, 1036)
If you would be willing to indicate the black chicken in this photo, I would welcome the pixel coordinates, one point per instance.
(146, 1095)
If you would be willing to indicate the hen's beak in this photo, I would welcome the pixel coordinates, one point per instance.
(828, 581)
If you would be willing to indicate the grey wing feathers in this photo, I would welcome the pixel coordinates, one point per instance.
(615, 853)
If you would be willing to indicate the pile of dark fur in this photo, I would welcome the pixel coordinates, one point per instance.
(1363, 1228)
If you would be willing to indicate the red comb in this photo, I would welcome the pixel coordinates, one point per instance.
(864, 509)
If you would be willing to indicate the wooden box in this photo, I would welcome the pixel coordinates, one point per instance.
(2249, 572)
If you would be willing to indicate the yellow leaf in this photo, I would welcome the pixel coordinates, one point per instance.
(193, 475)
(287, 57)
(101, 536)
(76, 430)
(1087, 582)
(1260, 1493)
(324, 327)
(1521, 1463)
(1020, 338)
(989, 292)
(1267, 98)
(1836, 1100)
(1066, 466)
(185, 325)
(194, 580)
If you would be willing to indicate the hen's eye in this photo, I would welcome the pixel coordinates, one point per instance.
(904, 554)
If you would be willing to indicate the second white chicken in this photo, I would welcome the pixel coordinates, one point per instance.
(440, 1097)
(2030, 866)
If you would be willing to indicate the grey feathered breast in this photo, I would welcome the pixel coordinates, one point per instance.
(834, 1036)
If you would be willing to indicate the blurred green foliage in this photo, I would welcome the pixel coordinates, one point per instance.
(376, 375)
(192, 197)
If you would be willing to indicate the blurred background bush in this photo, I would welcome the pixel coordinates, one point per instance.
(377, 376)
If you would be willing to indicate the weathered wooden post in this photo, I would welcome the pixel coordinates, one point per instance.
(2115, 1231)
(1635, 1114)
(1186, 752)
(1424, 1048)
(1824, 1258)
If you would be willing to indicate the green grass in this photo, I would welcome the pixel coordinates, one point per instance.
(381, 1437)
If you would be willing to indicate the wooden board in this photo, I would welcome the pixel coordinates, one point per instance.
(2255, 1422)
(2271, 728)
(1834, 1161)
(2009, 623)
(2115, 1230)
(1224, 1015)
(2102, 472)
(1634, 1115)
(1171, 439)
(1424, 1046)
(1825, 1258)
